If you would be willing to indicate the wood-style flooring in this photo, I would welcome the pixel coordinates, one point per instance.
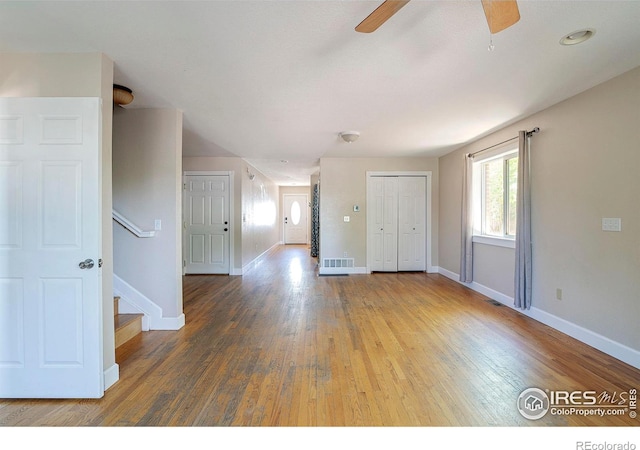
(282, 346)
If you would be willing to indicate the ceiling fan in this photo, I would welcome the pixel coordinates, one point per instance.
(500, 14)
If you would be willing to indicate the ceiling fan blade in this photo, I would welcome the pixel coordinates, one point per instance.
(380, 15)
(501, 14)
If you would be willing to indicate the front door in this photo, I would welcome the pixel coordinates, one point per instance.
(206, 223)
(50, 245)
(296, 225)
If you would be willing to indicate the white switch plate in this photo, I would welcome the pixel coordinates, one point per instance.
(347, 218)
(611, 224)
(157, 225)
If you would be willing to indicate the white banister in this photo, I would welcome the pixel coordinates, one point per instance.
(133, 228)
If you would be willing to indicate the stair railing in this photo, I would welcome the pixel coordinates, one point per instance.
(133, 228)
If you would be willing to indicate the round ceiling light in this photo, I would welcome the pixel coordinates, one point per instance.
(577, 37)
(349, 136)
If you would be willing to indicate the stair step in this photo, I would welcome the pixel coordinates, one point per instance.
(127, 326)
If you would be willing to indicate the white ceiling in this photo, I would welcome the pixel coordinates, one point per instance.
(278, 80)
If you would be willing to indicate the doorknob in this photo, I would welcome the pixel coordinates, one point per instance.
(86, 264)
(226, 229)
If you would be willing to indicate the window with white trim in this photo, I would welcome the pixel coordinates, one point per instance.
(495, 183)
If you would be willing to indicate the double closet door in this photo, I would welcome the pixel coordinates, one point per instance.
(397, 223)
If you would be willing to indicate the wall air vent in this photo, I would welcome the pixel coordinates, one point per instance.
(337, 262)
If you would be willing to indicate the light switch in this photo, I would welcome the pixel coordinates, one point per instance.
(347, 218)
(611, 224)
(157, 225)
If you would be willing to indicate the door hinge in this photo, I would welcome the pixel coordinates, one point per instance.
(184, 186)
(184, 263)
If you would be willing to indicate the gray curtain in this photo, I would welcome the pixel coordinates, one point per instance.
(523, 275)
(466, 247)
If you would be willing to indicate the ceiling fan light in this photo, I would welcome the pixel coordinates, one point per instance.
(577, 37)
(349, 136)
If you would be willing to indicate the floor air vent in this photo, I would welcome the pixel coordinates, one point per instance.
(337, 262)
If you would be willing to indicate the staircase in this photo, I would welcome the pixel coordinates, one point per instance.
(127, 326)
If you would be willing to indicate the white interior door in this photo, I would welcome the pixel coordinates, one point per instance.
(396, 223)
(296, 222)
(50, 244)
(375, 219)
(390, 225)
(411, 223)
(207, 224)
(383, 223)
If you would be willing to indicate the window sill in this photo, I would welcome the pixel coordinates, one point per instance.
(496, 241)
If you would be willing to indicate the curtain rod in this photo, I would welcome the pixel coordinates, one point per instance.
(529, 134)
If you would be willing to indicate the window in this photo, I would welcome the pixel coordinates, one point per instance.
(495, 187)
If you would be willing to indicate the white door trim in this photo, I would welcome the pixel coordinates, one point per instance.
(429, 235)
(231, 174)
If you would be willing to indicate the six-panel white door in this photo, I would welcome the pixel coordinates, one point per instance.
(207, 227)
(296, 222)
(50, 245)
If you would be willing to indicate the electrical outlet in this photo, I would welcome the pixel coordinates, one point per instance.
(346, 218)
(345, 255)
(559, 294)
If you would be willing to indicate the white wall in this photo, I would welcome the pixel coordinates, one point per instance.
(147, 185)
(74, 75)
(585, 164)
(260, 216)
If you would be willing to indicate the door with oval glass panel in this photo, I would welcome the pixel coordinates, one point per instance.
(296, 222)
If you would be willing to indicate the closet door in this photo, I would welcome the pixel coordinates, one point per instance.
(383, 223)
(376, 222)
(411, 224)
(396, 220)
(390, 225)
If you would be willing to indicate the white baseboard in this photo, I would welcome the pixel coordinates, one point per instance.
(168, 323)
(111, 376)
(250, 265)
(341, 270)
(133, 301)
(589, 337)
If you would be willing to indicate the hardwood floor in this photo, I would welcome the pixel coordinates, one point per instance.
(282, 346)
